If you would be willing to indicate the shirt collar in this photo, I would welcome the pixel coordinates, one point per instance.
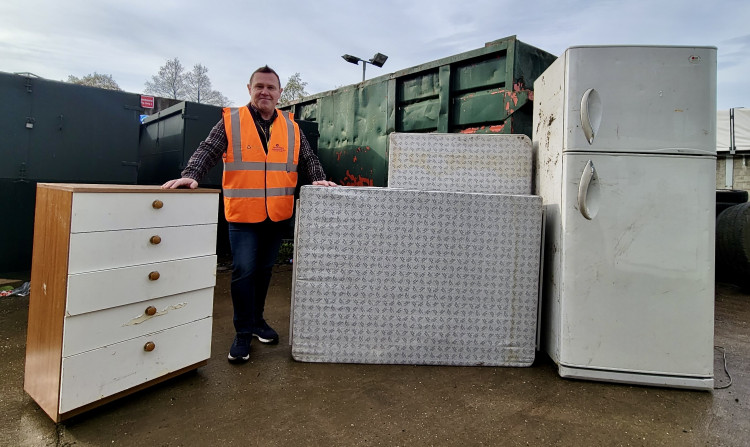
(256, 114)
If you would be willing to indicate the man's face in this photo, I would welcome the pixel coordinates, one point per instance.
(265, 91)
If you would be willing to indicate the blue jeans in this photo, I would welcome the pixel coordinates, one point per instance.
(255, 247)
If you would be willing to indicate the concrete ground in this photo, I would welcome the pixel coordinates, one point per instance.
(274, 401)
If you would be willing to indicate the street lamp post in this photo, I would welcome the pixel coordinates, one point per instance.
(378, 60)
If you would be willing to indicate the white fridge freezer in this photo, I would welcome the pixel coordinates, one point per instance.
(626, 169)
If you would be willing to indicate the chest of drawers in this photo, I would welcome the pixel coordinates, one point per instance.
(121, 293)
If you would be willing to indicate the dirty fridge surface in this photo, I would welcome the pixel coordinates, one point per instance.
(396, 276)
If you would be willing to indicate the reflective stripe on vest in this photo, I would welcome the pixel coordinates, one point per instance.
(256, 189)
(269, 192)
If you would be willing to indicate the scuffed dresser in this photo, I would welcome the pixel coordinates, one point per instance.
(121, 291)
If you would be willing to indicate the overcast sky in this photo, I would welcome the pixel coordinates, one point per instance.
(131, 39)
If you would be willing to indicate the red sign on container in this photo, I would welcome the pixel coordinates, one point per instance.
(147, 102)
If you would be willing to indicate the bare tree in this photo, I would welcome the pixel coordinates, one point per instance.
(293, 90)
(173, 82)
(105, 81)
(170, 82)
(198, 88)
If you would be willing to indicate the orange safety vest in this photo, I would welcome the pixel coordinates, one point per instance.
(257, 185)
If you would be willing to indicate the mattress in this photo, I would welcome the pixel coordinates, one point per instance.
(494, 164)
(398, 276)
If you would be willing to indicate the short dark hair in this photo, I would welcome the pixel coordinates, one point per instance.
(265, 69)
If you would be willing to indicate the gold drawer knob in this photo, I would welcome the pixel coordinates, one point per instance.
(149, 346)
(153, 276)
(157, 204)
(150, 311)
(155, 240)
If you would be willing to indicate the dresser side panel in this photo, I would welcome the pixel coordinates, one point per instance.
(47, 297)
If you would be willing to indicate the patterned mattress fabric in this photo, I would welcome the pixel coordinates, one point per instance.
(397, 276)
(493, 164)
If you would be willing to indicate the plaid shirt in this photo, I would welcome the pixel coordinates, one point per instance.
(211, 149)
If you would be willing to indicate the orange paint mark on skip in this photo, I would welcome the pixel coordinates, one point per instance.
(338, 156)
(492, 129)
(355, 180)
(512, 96)
(354, 159)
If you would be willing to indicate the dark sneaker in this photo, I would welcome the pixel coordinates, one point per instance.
(240, 350)
(265, 334)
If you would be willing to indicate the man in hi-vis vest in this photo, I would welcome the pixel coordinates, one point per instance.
(263, 150)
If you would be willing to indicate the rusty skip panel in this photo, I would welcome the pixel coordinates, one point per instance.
(487, 90)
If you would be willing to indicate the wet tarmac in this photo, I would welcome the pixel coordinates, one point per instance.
(274, 401)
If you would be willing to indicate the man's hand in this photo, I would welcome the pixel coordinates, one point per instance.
(179, 183)
(324, 183)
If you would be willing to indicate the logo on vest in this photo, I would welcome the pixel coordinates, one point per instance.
(277, 148)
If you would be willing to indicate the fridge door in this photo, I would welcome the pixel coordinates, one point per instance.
(641, 99)
(637, 268)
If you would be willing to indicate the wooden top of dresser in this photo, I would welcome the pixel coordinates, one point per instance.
(84, 187)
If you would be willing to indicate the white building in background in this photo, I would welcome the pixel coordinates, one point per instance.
(733, 149)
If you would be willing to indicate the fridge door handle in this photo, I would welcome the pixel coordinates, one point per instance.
(591, 114)
(588, 192)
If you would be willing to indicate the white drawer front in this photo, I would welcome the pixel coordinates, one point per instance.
(112, 249)
(93, 375)
(102, 289)
(122, 211)
(96, 329)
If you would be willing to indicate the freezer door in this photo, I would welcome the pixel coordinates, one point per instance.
(637, 264)
(641, 99)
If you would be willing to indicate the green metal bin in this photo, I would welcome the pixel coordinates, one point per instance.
(487, 90)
